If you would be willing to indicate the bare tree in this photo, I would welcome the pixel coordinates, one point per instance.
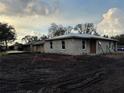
(69, 29)
(53, 28)
(106, 36)
(79, 28)
(87, 28)
(56, 30)
(43, 37)
(29, 38)
(120, 38)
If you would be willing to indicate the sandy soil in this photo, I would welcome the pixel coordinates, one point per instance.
(50, 73)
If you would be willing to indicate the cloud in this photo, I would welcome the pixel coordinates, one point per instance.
(29, 17)
(28, 7)
(28, 25)
(34, 25)
(3, 8)
(112, 22)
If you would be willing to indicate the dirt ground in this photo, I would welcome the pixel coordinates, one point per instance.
(51, 73)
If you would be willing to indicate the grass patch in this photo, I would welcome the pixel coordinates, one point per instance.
(3, 53)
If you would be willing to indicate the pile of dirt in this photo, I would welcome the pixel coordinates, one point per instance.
(51, 73)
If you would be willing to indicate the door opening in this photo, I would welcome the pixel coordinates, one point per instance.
(92, 46)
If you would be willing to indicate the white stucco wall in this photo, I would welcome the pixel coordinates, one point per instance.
(78, 47)
(104, 48)
(57, 47)
(72, 47)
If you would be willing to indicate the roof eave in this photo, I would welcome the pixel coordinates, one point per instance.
(74, 37)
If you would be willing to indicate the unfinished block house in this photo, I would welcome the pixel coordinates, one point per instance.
(80, 44)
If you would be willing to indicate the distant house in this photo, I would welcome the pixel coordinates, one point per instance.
(26, 47)
(79, 44)
(16, 46)
(36, 46)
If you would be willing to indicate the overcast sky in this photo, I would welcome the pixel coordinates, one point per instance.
(35, 16)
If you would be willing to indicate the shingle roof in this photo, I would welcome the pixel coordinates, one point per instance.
(87, 36)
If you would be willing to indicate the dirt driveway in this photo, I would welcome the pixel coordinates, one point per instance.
(51, 73)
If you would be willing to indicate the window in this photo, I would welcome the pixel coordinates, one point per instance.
(83, 44)
(51, 44)
(63, 44)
